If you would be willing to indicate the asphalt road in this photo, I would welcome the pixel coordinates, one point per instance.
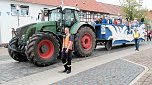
(12, 70)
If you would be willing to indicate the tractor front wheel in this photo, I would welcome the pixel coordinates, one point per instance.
(42, 49)
(21, 57)
(84, 41)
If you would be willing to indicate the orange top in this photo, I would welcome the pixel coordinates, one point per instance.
(66, 42)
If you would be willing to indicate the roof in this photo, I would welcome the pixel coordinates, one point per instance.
(88, 5)
(43, 2)
(111, 9)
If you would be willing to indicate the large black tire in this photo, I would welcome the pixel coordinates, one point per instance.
(42, 49)
(108, 45)
(21, 57)
(84, 43)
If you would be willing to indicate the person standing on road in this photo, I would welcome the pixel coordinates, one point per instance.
(148, 36)
(67, 51)
(136, 36)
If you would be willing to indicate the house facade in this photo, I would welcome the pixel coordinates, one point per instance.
(14, 14)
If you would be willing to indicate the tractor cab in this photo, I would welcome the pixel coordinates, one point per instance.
(65, 16)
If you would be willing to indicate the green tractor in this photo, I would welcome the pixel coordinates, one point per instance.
(41, 43)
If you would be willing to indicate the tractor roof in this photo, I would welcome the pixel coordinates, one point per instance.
(69, 7)
(65, 7)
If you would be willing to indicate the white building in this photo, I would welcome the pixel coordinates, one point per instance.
(9, 18)
(28, 12)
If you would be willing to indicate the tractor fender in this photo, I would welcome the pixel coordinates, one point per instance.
(58, 37)
(74, 29)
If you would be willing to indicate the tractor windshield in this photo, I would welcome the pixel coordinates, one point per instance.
(55, 15)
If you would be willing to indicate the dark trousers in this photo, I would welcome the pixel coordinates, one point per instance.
(66, 59)
(137, 44)
(148, 38)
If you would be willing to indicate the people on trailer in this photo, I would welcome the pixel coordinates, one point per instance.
(97, 20)
(126, 23)
(104, 21)
(115, 21)
(101, 20)
(118, 22)
(110, 20)
(135, 22)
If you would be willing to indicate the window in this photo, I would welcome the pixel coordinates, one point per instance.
(13, 9)
(21, 10)
(24, 10)
(92, 15)
(80, 14)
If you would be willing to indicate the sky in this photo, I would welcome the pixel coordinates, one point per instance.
(146, 3)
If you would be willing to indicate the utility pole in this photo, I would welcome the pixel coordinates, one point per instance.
(18, 14)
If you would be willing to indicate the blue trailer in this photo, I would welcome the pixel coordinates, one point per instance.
(110, 34)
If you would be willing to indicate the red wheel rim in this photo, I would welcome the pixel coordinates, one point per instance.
(45, 49)
(86, 41)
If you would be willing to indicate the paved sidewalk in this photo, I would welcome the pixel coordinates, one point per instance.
(117, 72)
(4, 56)
(51, 76)
(143, 58)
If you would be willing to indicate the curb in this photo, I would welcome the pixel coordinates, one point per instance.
(7, 61)
(5, 45)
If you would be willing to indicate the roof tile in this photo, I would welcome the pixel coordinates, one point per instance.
(89, 5)
(111, 9)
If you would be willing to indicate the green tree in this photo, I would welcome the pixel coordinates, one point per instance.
(133, 9)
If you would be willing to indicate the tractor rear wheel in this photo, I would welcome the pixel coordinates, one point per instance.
(108, 45)
(21, 57)
(123, 44)
(84, 42)
(42, 49)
